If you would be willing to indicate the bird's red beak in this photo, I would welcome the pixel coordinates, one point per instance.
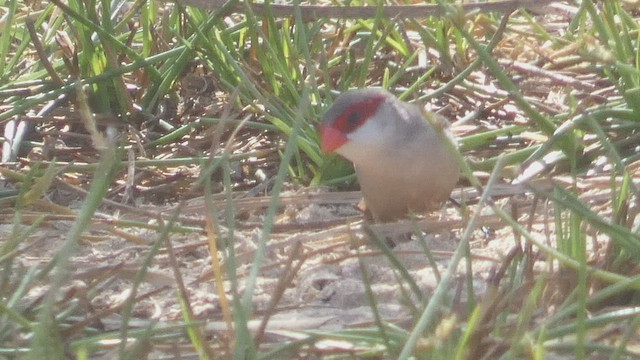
(331, 138)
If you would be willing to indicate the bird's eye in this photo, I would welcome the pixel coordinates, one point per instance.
(357, 114)
(353, 121)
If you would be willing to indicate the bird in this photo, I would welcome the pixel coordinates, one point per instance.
(402, 163)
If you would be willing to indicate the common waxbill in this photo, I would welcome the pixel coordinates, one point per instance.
(402, 163)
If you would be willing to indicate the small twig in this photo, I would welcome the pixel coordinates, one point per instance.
(183, 295)
(313, 12)
(101, 314)
(288, 274)
(41, 53)
(558, 79)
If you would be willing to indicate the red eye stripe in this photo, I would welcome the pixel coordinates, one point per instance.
(355, 115)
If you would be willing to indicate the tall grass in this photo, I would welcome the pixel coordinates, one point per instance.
(118, 66)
